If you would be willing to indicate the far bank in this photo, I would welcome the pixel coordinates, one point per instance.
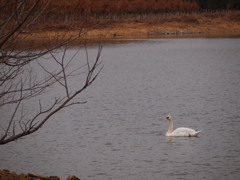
(225, 23)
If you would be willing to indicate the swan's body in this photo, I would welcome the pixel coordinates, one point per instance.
(180, 132)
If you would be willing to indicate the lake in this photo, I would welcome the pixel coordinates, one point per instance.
(120, 133)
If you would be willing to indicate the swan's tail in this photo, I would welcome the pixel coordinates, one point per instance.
(197, 132)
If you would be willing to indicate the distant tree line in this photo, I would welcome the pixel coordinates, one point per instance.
(59, 9)
(138, 6)
(121, 6)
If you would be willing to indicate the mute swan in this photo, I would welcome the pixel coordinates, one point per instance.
(182, 131)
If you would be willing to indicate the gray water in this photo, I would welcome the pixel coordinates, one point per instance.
(120, 133)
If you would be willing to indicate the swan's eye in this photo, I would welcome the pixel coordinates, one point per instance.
(167, 117)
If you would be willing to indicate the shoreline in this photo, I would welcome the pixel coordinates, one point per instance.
(38, 40)
(133, 31)
(134, 27)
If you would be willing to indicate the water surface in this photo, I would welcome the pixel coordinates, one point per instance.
(119, 133)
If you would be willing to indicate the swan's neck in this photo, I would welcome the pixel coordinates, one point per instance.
(170, 128)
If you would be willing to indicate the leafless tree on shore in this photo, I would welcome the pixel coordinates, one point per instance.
(18, 81)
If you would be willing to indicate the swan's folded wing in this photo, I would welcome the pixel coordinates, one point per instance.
(184, 132)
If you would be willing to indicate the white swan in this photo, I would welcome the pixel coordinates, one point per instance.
(182, 131)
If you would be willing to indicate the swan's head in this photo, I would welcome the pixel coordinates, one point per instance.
(168, 117)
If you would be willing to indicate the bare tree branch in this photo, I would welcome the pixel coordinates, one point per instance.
(20, 83)
(34, 124)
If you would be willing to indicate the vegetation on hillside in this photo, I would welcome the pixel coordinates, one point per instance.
(120, 6)
(104, 14)
(62, 10)
(131, 6)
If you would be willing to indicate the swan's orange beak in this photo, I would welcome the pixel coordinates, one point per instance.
(167, 118)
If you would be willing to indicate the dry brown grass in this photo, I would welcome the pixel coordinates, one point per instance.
(153, 25)
(142, 27)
